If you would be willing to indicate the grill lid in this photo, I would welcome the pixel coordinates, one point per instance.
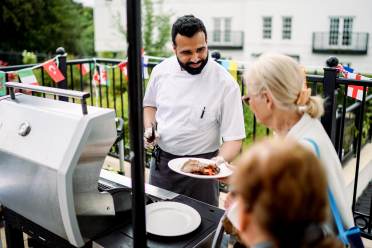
(50, 158)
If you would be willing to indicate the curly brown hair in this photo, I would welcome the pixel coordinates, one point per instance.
(284, 186)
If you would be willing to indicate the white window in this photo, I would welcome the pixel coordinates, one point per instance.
(228, 29)
(348, 29)
(222, 29)
(266, 27)
(286, 27)
(340, 30)
(217, 29)
(333, 30)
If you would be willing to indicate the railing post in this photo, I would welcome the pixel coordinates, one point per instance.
(135, 95)
(330, 106)
(63, 68)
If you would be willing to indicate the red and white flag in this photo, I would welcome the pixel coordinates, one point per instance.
(355, 91)
(123, 68)
(52, 69)
(84, 68)
(12, 77)
(27, 77)
(96, 80)
(103, 75)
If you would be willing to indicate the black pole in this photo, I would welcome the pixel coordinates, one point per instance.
(342, 126)
(359, 145)
(136, 121)
(63, 68)
(13, 235)
(329, 118)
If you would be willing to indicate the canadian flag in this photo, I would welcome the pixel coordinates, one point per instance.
(96, 80)
(103, 75)
(123, 68)
(84, 68)
(355, 91)
(51, 68)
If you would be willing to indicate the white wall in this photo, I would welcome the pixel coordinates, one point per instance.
(307, 17)
(109, 18)
(306, 20)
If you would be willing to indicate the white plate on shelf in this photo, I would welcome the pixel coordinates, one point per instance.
(176, 165)
(171, 219)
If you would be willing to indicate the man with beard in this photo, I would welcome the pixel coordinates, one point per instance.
(197, 108)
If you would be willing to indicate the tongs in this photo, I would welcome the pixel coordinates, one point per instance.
(154, 128)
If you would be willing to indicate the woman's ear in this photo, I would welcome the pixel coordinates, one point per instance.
(268, 99)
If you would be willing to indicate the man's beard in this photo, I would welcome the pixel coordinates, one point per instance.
(191, 70)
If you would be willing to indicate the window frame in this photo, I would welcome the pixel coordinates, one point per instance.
(287, 27)
(267, 27)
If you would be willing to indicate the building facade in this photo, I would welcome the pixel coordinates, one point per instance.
(309, 31)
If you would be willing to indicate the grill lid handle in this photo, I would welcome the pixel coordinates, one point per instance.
(49, 90)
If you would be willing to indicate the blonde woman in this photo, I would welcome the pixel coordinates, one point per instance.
(281, 194)
(278, 96)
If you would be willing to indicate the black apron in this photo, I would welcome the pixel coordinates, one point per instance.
(205, 190)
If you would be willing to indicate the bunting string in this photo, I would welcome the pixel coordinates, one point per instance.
(100, 72)
(27, 76)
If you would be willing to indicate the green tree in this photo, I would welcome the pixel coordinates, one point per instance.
(86, 40)
(42, 26)
(156, 30)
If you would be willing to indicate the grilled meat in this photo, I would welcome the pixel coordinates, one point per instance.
(196, 167)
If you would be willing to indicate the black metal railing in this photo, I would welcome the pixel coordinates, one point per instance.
(114, 95)
(343, 117)
(335, 90)
(340, 43)
(361, 217)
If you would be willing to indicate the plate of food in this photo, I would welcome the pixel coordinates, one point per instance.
(199, 168)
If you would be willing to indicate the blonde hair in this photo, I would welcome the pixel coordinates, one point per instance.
(277, 183)
(284, 78)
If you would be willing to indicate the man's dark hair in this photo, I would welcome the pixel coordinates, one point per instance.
(187, 25)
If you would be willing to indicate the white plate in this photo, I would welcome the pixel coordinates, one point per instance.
(171, 219)
(176, 165)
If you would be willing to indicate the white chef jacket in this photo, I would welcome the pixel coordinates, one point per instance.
(194, 111)
(311, 128)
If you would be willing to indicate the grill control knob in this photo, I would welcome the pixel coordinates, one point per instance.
(24, 129)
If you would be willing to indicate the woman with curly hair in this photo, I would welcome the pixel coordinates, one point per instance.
(281, 197)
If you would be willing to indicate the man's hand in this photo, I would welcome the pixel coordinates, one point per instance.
(219, 160)
(229, 200)
(150, 138)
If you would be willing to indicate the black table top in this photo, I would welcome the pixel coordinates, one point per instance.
(210, 217)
